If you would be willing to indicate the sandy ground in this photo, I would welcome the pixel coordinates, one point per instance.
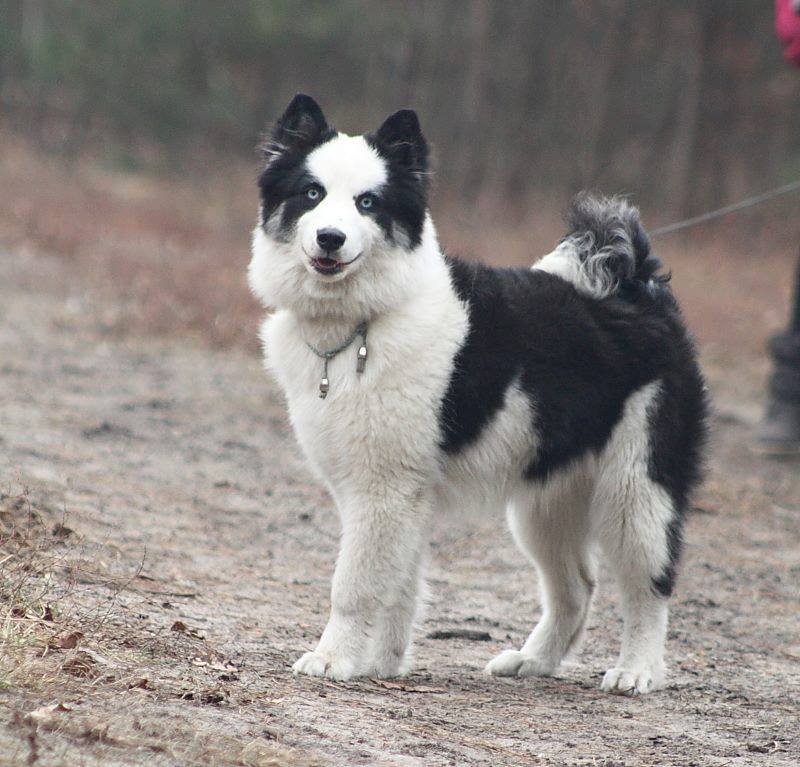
(195, 552)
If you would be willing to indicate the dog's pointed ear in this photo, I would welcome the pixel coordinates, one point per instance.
(300, 127)
(400, 139)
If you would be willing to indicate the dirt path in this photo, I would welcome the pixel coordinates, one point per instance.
(181, 457)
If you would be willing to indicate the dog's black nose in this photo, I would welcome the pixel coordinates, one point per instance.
(330, 239)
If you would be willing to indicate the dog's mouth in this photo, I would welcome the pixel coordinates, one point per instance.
(325, 265)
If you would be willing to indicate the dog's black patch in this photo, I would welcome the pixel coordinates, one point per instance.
(301, 129)
(404, 196)
(678, 433)
(578, 360)
(286, 181)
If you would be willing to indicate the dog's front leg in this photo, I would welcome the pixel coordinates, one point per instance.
(375, 588)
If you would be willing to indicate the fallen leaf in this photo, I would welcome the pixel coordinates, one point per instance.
(181, 627)
(46, 713)
(65, 641)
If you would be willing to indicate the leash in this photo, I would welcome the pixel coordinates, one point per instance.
(779, 191)
(325, 356)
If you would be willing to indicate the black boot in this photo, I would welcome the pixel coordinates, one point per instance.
(779, 433)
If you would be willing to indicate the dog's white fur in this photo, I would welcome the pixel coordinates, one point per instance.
(587, 275)
(374, 442)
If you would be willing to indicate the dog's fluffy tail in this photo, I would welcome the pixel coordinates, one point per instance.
(606, 250)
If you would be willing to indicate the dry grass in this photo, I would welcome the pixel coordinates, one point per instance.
(76, 670)
(49, 632)
(29, 596)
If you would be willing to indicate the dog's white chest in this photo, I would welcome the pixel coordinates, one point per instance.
(379, 418)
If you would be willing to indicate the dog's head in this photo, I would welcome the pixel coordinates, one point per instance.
(337, 211)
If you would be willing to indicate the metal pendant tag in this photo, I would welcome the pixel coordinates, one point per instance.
(324, 385)
(361, 361)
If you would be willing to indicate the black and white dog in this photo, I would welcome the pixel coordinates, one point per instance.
(568, 394)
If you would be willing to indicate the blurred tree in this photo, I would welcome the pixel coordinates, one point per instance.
(684, 104)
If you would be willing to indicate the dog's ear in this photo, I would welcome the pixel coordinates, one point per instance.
(400, 139)
(300, 127)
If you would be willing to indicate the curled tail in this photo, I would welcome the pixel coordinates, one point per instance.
(606, 251)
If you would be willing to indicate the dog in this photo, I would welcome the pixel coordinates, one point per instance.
(568, 393)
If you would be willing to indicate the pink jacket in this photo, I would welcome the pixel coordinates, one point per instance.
(787, 27)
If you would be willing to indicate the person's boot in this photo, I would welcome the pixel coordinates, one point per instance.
(779, 433)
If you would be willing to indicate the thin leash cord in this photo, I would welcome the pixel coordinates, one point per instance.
(793, 186)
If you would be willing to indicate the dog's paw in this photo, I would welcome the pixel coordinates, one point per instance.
(516, 663)
(632, 681)
(391, 665)
(507, 663)
(319, 664)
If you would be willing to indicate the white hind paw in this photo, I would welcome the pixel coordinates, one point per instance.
(632, 681)
(516, 663)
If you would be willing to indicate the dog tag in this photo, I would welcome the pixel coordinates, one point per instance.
(361, 361)
(324, 385)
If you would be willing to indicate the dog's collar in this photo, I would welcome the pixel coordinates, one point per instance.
(361, 358)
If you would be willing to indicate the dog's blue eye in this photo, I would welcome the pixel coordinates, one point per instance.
(366, 201)
(313, 193)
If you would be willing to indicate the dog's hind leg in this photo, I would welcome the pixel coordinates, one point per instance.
(635, 542)
(552, 529)
(638, 526)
